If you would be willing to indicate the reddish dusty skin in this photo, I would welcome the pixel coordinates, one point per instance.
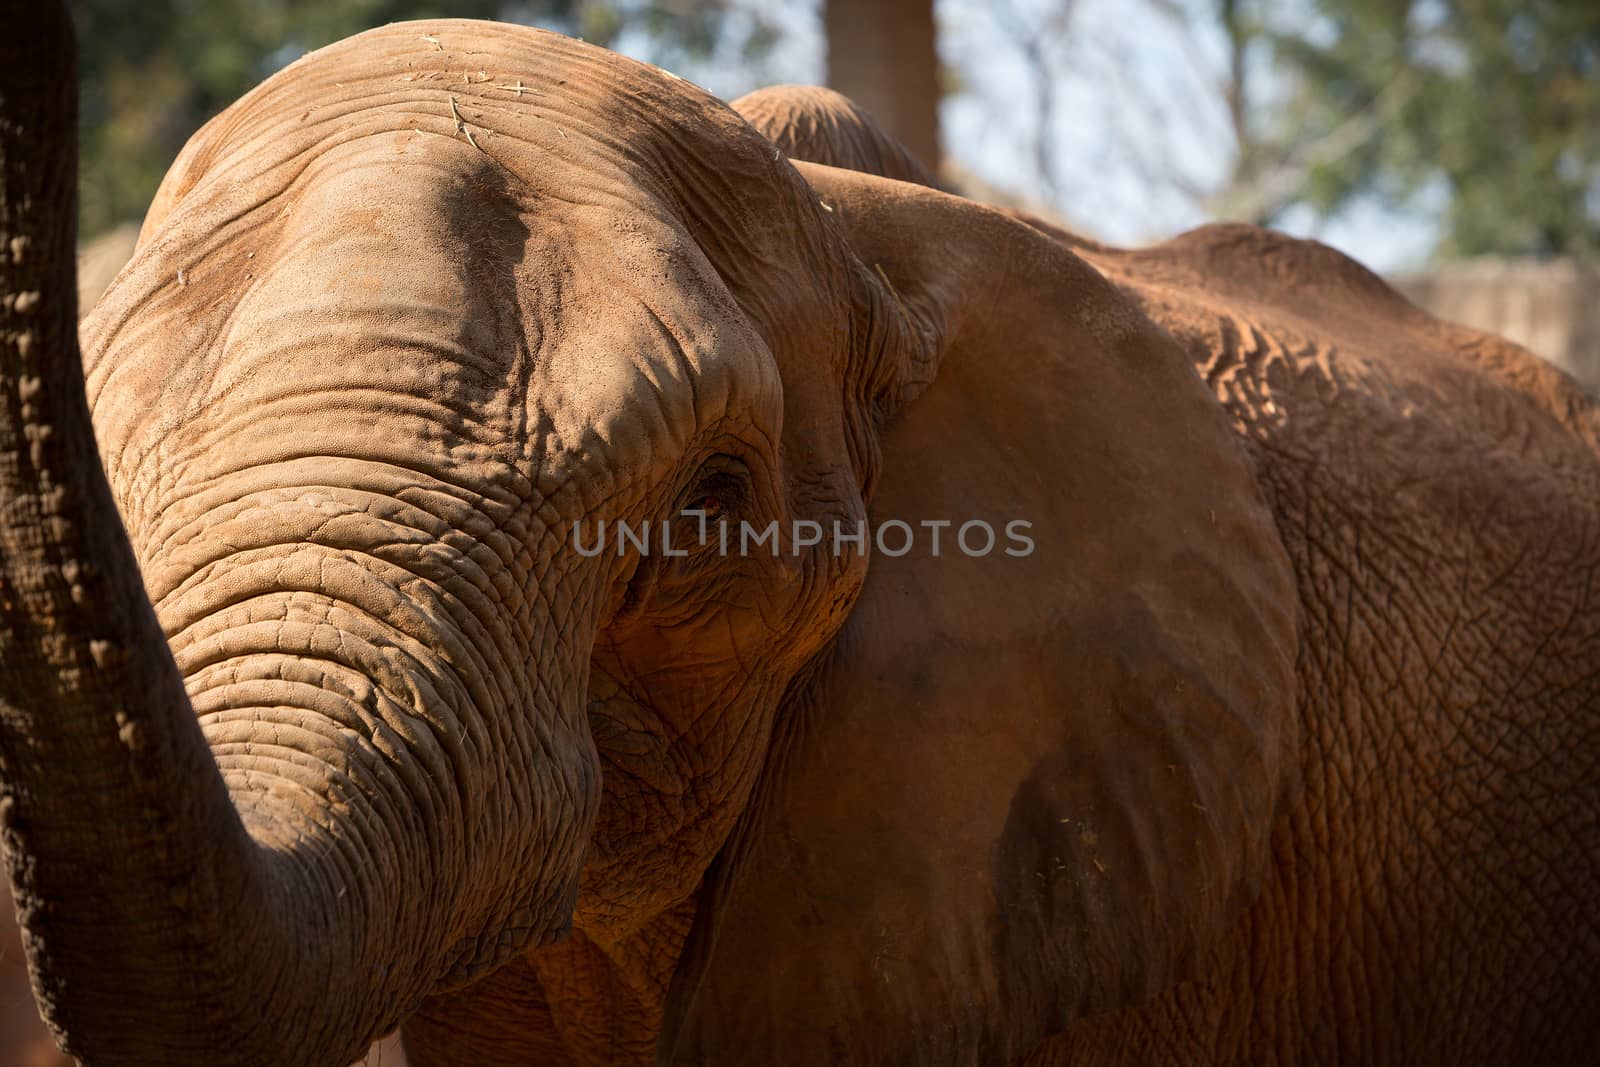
(1430, 892)
(1279, 746)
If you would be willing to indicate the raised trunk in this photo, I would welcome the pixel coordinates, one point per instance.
(884, 56)
(296, 903)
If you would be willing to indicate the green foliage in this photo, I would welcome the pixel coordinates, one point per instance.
(1493, 103)
(152, 71)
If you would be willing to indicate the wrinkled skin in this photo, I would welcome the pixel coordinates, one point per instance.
(1279, 746)
(1433, 893)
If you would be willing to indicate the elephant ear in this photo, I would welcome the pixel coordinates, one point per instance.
(1021, 789)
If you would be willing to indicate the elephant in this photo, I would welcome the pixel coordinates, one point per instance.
(1273, 740)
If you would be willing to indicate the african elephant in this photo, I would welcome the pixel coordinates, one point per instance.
(1277, 744)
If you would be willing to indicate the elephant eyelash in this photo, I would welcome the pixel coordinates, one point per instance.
(721, 491)
(707, 512)
(720, 497)
(710, 505)
(717, 501)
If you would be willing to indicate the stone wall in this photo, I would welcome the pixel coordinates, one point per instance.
(1551, 307)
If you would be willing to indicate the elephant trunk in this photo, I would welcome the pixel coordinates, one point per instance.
(282, 883)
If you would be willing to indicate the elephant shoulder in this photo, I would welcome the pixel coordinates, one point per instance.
(1249, 301)
(1248, 260)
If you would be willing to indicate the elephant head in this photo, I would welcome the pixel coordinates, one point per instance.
(314, 704)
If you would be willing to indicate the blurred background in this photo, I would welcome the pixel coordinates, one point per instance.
(1453, 145)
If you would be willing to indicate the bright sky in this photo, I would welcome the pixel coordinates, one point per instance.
(1139, 132)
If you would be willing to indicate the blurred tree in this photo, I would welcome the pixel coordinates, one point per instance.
(1277, 153)
(1481, 117)
(1494, 102)
(152, 72)
(1203, 82)
(883, 55)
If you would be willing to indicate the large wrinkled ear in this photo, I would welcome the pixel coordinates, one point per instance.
(1028, 787)
(816, 125)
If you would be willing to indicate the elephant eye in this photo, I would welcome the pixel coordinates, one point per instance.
(716, 496)
(710, 505)
(720, 490)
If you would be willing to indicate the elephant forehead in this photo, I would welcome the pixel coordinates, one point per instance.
(587, 323)
(413, 302)
(410, 258)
